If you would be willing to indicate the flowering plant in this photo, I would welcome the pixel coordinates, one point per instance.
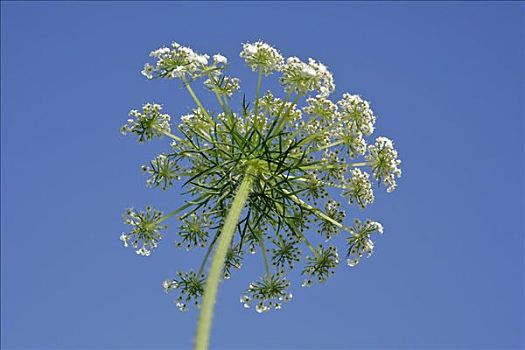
(257, 175)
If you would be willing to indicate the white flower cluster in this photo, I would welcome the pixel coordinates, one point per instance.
(163, 170)
(285, 252)
(145, 233)
(220, 59)
(322, 107)
(316, 189)
(359, 189)
(190, 286)
(194, 231)
(263, 57)
(335, 166)
(321, 265)
(359, 242)
(181, 62)
(223, 85)
(301, 77)
(196, 122)
(384, 162)
(354, 120)
(270, 293)
(151, 122)
(356, 114)
(232, 118)
(352, 140)
(275, 106)
(334, 211)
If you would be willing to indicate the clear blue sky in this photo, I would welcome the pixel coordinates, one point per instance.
(447, 81)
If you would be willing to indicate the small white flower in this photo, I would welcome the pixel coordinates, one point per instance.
(352, 262)
(308, 71)
(202, 59)
(218, 58)
(124, 238)
(376, 226)
(368, 246)
(178, 72)
(182, 306)
(261, 307)
(167, 285)
(245, 301)
(143, 251)
(287, 297)
(148, 71)
(306, 283)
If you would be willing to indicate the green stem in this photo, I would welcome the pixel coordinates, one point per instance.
(318, 167)
(257, 93)
(336, 143)
(203, 264)
(265, 258)
(178, 210)
(219, 99)
(301, 179)
(359, 164)
(217, 94)
(288, 96)
(195, 98)
(305, 240)
(217, 264)
(283, 119)
(169, 134)
(316, 211)
(308, 244)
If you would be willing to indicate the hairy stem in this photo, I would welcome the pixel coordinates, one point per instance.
(218, 261)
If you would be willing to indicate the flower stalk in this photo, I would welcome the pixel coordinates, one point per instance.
(217, 265)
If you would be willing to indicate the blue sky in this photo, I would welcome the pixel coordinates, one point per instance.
(446, 81)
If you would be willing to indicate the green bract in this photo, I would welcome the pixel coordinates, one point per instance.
(257, 175)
